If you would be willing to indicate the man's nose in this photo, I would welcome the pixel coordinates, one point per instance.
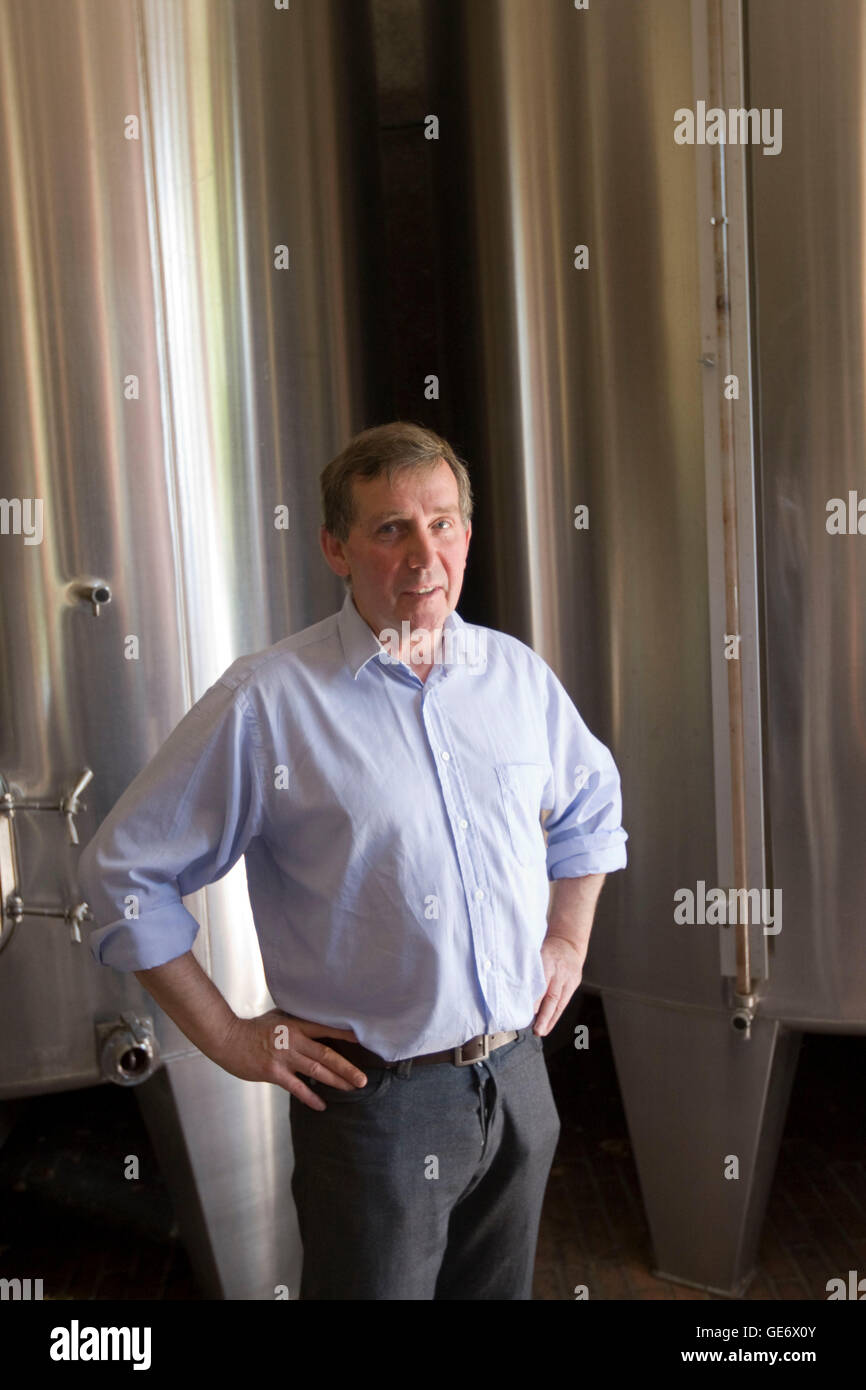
(420, 550)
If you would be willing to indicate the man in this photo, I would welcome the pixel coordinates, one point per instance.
(384, 772)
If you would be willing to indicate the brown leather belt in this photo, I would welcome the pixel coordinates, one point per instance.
(475, 1050)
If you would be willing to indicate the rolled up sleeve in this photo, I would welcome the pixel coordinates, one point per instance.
(584, 799)
(182, 823)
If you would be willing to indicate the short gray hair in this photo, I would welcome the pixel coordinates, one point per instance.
(385, 449)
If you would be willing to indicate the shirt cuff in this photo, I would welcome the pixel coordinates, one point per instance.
(587, 854)
(145, 942)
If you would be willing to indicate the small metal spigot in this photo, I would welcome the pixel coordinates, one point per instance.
(75, 916)
(743, 1015)
(95, 592)
(69, 805)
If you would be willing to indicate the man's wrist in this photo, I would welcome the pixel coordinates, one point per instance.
(563, 936)
(228, 1040)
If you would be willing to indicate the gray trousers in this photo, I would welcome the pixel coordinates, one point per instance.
(427, 1186)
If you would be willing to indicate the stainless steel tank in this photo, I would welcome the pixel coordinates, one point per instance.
(188, 264)
(707, 625)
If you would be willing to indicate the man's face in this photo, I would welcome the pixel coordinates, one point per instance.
(407, 536)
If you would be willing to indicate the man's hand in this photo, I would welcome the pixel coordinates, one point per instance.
(276, 1047)
(563, 969)
(564, 948)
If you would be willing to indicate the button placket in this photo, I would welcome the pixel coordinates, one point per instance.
(455, 795)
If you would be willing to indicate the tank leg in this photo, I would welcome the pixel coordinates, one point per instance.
(706, 1111)
(224, 1148)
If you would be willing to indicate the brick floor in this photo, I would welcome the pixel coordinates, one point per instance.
(64, 1217)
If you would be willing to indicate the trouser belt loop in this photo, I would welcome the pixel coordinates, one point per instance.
(404, 1069)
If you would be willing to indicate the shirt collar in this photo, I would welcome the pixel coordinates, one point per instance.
(360, 643)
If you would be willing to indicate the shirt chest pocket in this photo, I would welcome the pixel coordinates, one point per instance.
(520, 788)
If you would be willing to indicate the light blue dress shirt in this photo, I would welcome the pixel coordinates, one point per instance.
(396, 860)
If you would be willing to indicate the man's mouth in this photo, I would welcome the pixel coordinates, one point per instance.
(429, 590)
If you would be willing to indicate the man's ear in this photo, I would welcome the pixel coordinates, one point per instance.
(332, 549)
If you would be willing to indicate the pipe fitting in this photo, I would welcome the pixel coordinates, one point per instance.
(96, 592)
(127, 1050)
(743, 1015)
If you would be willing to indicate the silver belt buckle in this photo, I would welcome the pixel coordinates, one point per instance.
(461, 1061)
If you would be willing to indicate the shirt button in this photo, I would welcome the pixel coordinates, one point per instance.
(464, 825)
(446, 756)
(489, 964)
(479, 894)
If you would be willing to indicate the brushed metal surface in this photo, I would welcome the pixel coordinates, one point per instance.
(586, 389)
(706, 1228)
(584, 386)
(809, 234)
(76, 316)
(230, 1160)
(154, 257)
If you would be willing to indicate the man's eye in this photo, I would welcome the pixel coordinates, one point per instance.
(389, 526)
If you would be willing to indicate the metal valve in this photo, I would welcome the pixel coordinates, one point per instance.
(12, 905)
(127, 1049)
(16, 909)
(95, 592)
(68, 806)
(743, 1015)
